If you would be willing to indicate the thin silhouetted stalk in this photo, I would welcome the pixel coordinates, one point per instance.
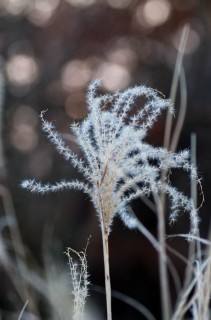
(175, 81)
(107, 274)
(163, 270)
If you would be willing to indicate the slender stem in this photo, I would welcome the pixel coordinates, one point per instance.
(182, 111)
(175, 80)
(2, 93)
(164, 285)
(107, 273)
(18, 246)
(23, 309)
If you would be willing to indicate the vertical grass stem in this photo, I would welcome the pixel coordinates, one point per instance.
(163, 272)
(107, 273)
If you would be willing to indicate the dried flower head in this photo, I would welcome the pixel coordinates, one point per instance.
(80, 282)
(118, 165)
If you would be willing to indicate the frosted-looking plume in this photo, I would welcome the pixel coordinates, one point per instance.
(117, 165)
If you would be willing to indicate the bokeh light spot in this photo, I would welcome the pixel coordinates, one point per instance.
(42, 11)
(22, 70)
(24, 138)
(113, 76)
(123, 56)
(15, 7)
(193, 41)
(25, 115)
(23, 134)
(75, 74)
(153, 13)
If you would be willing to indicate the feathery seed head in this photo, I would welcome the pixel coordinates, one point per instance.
(117, 164)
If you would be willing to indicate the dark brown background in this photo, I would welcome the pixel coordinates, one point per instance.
(50, 51)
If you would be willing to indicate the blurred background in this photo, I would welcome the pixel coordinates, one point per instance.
(50, 50)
